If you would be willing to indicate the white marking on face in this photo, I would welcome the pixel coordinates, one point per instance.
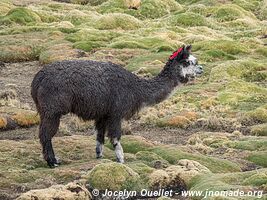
(191, 68)
(192, 60)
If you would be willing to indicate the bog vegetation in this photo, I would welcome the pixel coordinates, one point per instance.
(223, 113)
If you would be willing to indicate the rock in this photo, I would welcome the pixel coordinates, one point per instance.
(193, 165)
(71, 191)
(113, 176)
(176, 176)
(186, 170)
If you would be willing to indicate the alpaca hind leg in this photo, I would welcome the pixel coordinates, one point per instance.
(47, 130)
(100, 145)
(101, 129)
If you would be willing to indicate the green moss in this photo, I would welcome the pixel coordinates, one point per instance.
(228, 182)
(262, 51)
(92, 35)
(152, 43)
(259, 114)
(78, 17)
(113, 176)
(215, 55)
(257, 179)
(248, 70)
(259, 130)
(262, 12)
(21, 16)
(227, 14)
(187, 19)
(150, 63)
(25, 29)
(88, 45)
(143, 170)
(230, 12)
(151, 158)
(172, 155)
(118, 20)
(147, 156)
(259, 158)
(149, 8)
(250, 5)
(228, 46)
(128, 44)
(89, 39)
(198, 9)
(250, 144)
(242, 95)
(161, 48)
(219, 73)
(112, 6)
(157, 8)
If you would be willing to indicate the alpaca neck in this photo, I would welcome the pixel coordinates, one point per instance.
(158, 88)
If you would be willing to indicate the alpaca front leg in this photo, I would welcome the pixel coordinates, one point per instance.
(99, 150)
(118, 150)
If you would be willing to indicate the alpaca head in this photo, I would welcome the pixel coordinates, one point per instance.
(184, 64)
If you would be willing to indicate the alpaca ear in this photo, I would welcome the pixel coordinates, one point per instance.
(189, 47)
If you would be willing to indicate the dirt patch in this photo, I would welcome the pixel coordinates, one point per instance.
(19, 76)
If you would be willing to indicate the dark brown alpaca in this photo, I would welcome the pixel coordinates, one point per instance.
(104, 92)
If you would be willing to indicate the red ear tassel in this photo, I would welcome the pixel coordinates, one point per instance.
(176, 53)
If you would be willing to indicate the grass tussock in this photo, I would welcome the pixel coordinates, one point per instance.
(20, 16)
(26, 119)
(3, 122)
(118, 21)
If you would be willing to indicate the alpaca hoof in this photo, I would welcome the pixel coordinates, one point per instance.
(54, 162)
(120, 160)
(58, 161)
(52, 165)
(99, 156)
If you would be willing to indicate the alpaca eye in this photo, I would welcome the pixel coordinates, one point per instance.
(186, 64)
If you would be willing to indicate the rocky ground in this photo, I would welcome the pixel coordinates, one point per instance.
(209, 135)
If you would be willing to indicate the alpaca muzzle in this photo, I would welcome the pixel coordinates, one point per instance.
(199, 70)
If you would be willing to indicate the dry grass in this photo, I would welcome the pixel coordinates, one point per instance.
(26, 119)
(3, 122)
